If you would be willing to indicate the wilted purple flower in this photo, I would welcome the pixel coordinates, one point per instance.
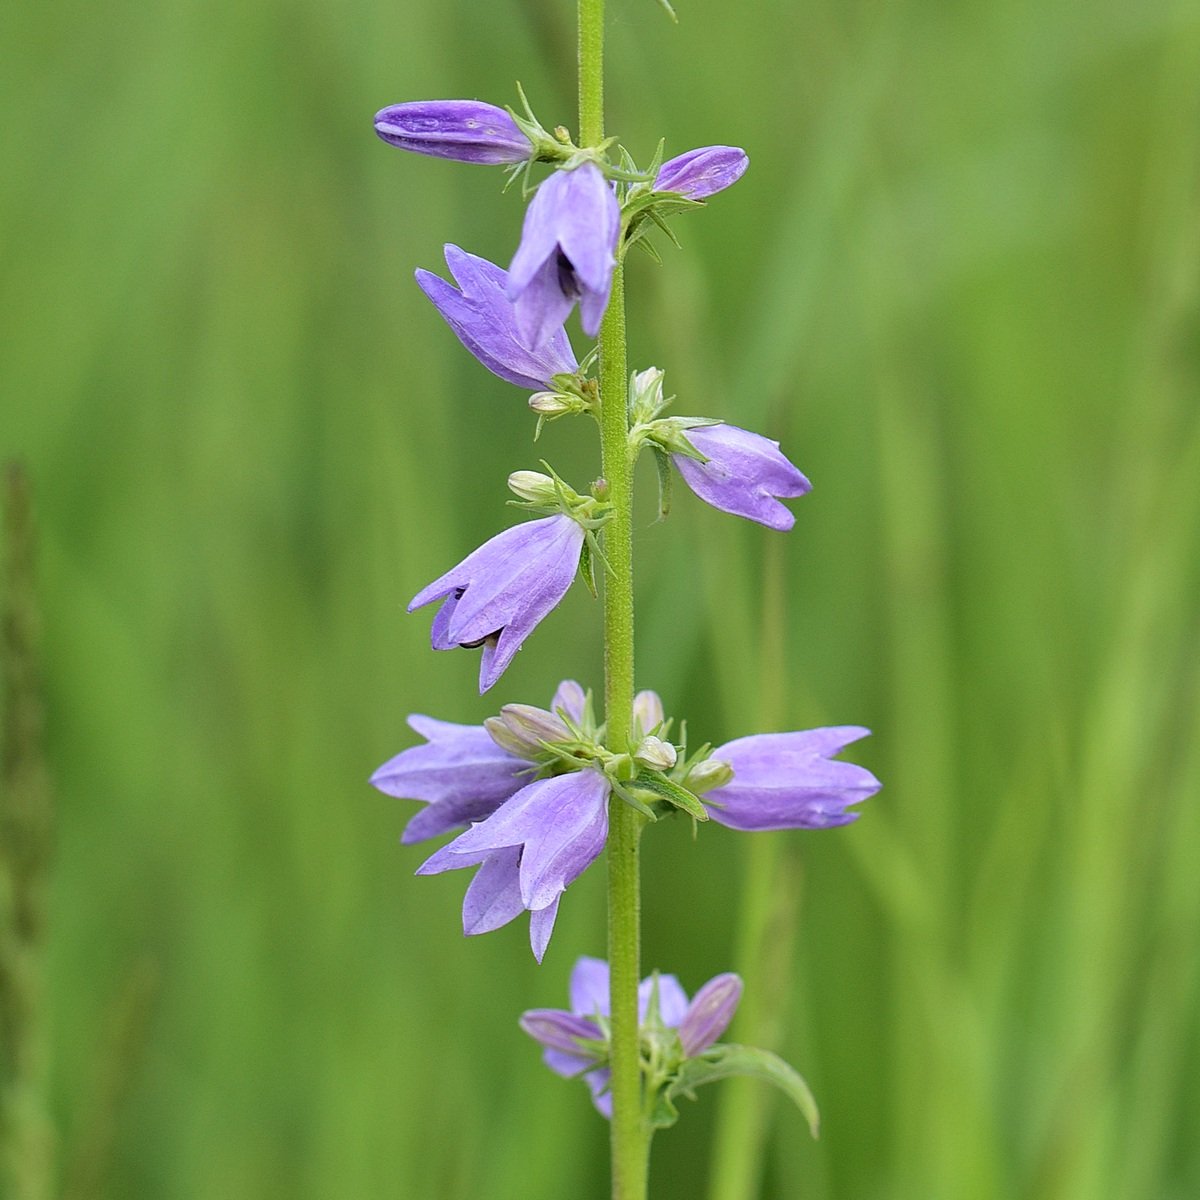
(744, 475)
(484, 319)
(700, 173)
(699, 1024)
(466, 130)
(567, 253)
(790, 781)
(529, 851)
(498, 593)
(459, 772)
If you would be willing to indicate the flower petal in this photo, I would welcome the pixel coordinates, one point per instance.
(493, 897)
(672, 1000)
(541, 926)
(461, 776)
(558, 1030)
(484, 320)
(709, 1013)
(589, 987)
(569, 699)
(598, 1083)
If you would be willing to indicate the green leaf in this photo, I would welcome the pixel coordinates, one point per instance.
(724, 1062)
(672, 793)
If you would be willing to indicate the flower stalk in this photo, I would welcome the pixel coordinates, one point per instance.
(630, 1136)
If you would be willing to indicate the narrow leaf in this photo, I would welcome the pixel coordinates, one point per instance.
(725, 1061)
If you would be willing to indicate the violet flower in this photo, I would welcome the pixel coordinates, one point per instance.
(699, 1023)
(790, 781)
(745, 474)
(484, 320)
(703, 172)
(567, 253)
(459, 772)
(496, 596)
(529, 851)
(462, 771)
(467, 130)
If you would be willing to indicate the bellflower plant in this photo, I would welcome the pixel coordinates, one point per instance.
(530, 798)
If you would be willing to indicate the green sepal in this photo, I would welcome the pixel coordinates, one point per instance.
(666, 7)
(724, 1062)
(632, 800)
(674, 794)
(662, 462)
(587, 567)
(644, 243)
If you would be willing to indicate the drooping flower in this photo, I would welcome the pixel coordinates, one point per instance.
(702, 172)
(575, 1042)
(460, 773)
(529, 851)
(467, 130)
(465, 772)
(497, 595)
(567, 253)
(745, 474)
(484, 320)
(790, 781)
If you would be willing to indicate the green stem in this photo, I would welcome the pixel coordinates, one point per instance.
(630, 1137)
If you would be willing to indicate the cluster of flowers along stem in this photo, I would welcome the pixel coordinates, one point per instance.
(527, 792)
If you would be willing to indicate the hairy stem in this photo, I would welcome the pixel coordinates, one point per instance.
(630, 1138)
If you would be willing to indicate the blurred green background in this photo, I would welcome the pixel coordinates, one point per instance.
(959, 282)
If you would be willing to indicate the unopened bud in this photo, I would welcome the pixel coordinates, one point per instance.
(530, 727)
(655, 753)
(505, 738)
(648, 712)
(647, 394)
(711, 773)
(709, 1014)
(532, 485)
(551, 404)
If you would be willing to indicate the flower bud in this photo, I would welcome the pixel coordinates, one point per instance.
(551, 404)
(700, 173)
(646, 400)
(505, 738)
(648, 712)
(711, 773)
(532, 485)
(709, 1014)
(527, 727)
(466, 130)
(655, 753)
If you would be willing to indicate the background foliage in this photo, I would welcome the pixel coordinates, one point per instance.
(959, 282)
